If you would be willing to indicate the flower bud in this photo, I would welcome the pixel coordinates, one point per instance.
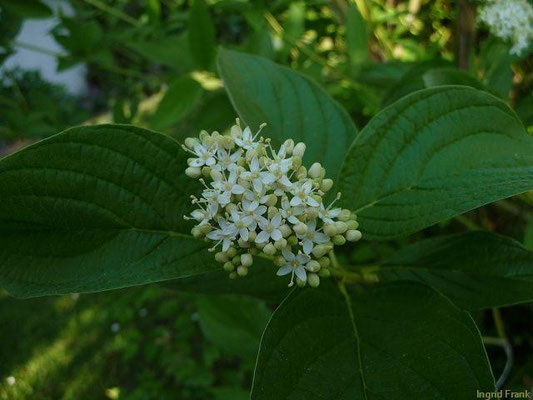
(253, 251)
(231, 207)
(269, 249)
(233, 275)
(300, 283)
(313, 280)
(203, 135)
(216, 175)
(236, 260)
(193, 172)
(327, 184)
(299, 150)
(339, 240)
(206, 172)
(330, 230)
(341, 227)
(251, 236)
(296, 162)
(324, 273)
(242, 270)
(228, 266)
(320, 250)
(243, 243)
(352, 225)
(353, 235)
(302, 173)
(315, 170)
(247, 259)
(197, 233)
(300, 228)
(345, 215)
(272, 211)
(324, 262)
(280, 244)
(227, 142)
(260, 246)
(279, 261)
(190, 142)
(221, 257)
(292, 240)
(289, 145)
(231, 252)
(272, 200)
(313, 266)
(285, 230)
(205, 228)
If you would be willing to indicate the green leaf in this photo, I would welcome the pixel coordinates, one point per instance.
(96, 208)
(172, 51)
(261, 282)
(356, 36)
(202, 42)
(27, 8)
(180, 98)
(233, 323)
(475, 270)
(291, 105)
(431, 156)
(401, 341)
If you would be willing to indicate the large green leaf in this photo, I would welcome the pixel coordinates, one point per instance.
(96, 208)
(233, 323)
(202, 41)
(401, 341)
(291, 105)
(475, 270)
(356, 36)
(433, 155)
(27, 8)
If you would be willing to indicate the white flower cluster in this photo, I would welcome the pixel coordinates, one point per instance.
(510, 20)
(261, 202)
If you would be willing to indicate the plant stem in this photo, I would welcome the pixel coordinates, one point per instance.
(504, 342)
(465, 31)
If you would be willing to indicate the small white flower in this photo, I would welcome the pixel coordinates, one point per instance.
(216, 197)
(327, 214)
(228, 186)
(225, 235)
(296, 265)
(227, 161)
(259, 197)
(311, 237)
(205, 156)
(290, 213)
(253, 210)
(269, 229)
(11, 380)
(303, 195)
(245, 139)
(256, 176)
(243, 223)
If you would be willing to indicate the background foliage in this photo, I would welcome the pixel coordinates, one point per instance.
(153, 63)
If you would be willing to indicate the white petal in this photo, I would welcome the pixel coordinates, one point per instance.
(225, 244)
(286, 269)
(262, 237)
(197, 162)
(300, 273)
(321, 237)
(276, 234)
(303, 258)
(244, 234)
(296, 201)
(312, 202)
(276, 221)
(210, 161)
(307, 246)
(237, 189)
(288, 255)
(258, 186)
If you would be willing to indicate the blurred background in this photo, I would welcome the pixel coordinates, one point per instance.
(152, 63)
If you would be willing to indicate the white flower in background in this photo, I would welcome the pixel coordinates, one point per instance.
(510, 20)
(11, 380)
(259, 201)
(295, 265)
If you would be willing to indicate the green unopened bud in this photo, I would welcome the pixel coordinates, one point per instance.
(206, 172)
(315, 170)
(242, 270)
(289, 145)
(228, 266)
(231, 207)
(205, 228)
(260, 246)
(269, 249)
(221, 257)
(193, 172)
(243, 243)
(197, 233)
(324, 273)
(327, 184)
(292, 240)
(272, 211)
(280, 244)
(203, 135)
(247, 259)
(353, 235)
(353, 217)
(339, 240)
(216, 175)
(233, 275)
(341, 227)
(285, 230)
(324, 262)
(313, 266)
(236, 260)
(190, 142)
(227, 142)
(330, 230)
(345, 215)
(352, 225)
(301, 173)
(299, 149)
(279, 261)
(300, 228)
(300, 283)
(253, 251)
(241, 162)
(272, 200)
(251, 236)
(313, 280)
(231, 252)
(320, 250)
(296, 162)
